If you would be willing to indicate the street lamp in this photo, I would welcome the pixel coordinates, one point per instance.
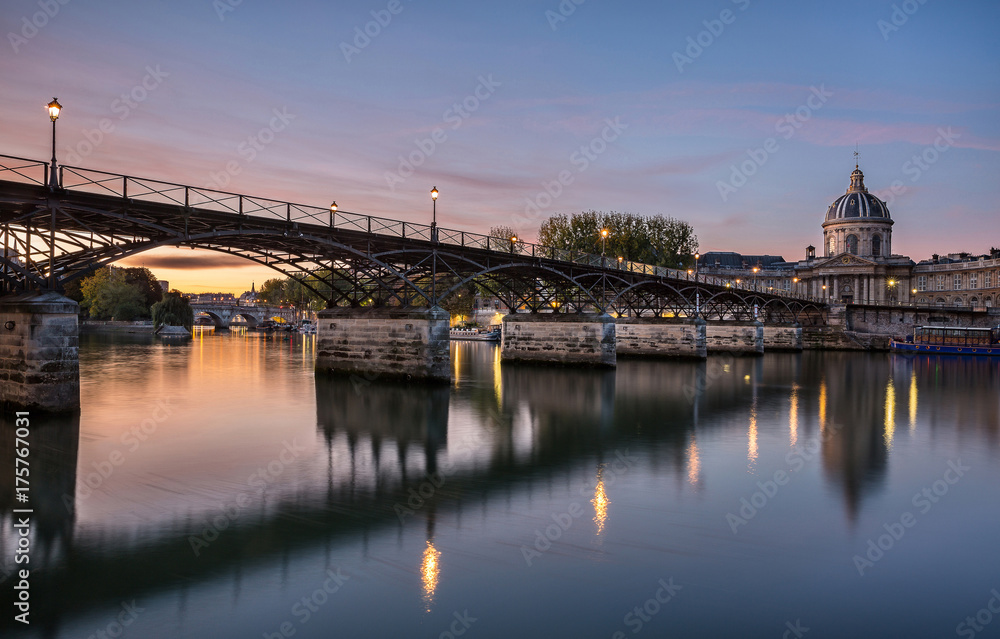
(513, 242)
(620, 260)
(434, 233)
(54, 108)
(755, 270)
(697, 257)
(333, 211)
(604, 239)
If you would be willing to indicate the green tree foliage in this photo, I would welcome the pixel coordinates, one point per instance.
(173, 310)
(108, 295)
(659, 240)
(272, 292)
(143, 279)
(460, 302)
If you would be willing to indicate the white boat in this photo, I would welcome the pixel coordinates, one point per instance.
(491, 334)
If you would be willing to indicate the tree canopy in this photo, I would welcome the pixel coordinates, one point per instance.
(173, 310)
(109, 294)
(659, 240)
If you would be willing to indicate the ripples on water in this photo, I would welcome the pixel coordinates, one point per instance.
(216, 483)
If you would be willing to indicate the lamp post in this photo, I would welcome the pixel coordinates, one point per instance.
(434, 223)
(697, 257)
(620, 260)
(756, 269)
(513, 242)
(54, 108)
(333, 212)
(604, 240)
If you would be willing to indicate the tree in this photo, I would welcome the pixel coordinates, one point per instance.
(143, 279)
(107, 295)
(272, 292)
(658, 240)
(461, 302)
(173, 310)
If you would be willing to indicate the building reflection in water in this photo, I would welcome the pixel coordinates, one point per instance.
(752, 438)
(793, 416)
(694, 461)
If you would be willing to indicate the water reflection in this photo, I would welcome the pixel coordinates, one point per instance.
(409, 459)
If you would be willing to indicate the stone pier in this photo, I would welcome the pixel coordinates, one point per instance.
(39, 352)
(735, 337)
(661, 337)
(559, 338)
(782, 337)
(400, 343)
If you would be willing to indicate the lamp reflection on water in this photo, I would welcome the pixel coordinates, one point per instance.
(694, 461)
(430, 571)
(752, 437)
(793, 417)
(913, 401)
(890, 413)
(600, 502)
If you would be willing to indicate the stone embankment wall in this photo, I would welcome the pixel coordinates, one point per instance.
(559, 338)
(737, 338)
(660, 337)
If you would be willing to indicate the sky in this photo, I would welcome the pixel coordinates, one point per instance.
(740, 117)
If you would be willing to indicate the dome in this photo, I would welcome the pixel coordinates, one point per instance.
(857, 202)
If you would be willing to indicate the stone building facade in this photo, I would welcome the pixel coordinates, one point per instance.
(856, 264)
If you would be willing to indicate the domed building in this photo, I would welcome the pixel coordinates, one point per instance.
(857, 265)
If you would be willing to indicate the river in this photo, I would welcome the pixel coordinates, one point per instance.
(217, 488)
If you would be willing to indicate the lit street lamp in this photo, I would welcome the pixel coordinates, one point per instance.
(513, 242)
(333, 211)
(434, 231)
(54, 108)
(604, 239)
(756, 269)
(697, 257)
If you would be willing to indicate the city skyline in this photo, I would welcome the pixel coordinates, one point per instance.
(738, 117)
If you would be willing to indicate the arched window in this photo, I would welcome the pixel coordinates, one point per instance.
(957, 302)
(876, 245)
(987, 302)
(852, 244)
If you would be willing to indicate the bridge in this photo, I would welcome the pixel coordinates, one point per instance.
(249, 316)
(383, 280)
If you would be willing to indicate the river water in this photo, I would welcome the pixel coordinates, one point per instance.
(217, 488)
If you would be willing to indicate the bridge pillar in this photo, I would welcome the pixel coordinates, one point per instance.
(559, 338)
(384, 342)
(39, 352)
(735, 337)
(661, 337)
(782, 337)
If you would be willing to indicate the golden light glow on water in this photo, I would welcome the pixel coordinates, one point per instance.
(497, 383)
(822, 405)
(913, 401)
(890, 413)
(430, 572)
(752, 437)
(793, 417)
(600, 502)
(694, 461)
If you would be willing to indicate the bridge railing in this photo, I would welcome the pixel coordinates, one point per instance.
(196, 198)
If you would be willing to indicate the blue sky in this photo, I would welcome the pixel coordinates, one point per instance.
(681, 108)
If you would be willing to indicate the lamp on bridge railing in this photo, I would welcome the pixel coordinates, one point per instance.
(697, 257)
(604, 241)
(333, 211)
(434, 220)
(620, 260)
(513, 242)
(54, 108)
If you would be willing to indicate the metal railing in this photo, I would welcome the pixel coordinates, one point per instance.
(130, 188)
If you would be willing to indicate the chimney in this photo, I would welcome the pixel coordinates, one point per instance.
(935, 258)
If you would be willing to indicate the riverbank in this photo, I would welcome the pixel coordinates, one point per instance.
(97, 326)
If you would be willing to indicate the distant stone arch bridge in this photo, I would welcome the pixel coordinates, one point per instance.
(250, 316)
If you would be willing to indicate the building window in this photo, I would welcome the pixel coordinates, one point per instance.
(921, 282)
(833, 245)
(876, 245)
(957, 282)
(973, 281)
(957, 302)
(987, 279)
(940, 283)
(786, 284)
(852, 244)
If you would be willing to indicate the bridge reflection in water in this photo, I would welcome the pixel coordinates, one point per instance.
(398, 456)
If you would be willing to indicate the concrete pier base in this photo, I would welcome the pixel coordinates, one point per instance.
(384, 342)
(39, 352)
(734, 337)
(559, 338)
(661, 337)
(782, 337)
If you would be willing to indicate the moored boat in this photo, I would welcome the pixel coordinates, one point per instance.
(951, 340)
(491, 334)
